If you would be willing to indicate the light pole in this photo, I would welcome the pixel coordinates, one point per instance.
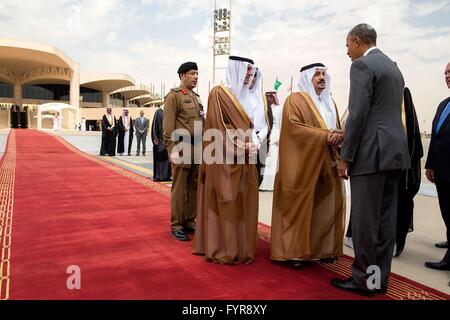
(222, 35)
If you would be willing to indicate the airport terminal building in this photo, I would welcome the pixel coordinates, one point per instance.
(39, 81)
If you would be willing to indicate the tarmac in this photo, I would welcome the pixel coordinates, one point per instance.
(429, 227)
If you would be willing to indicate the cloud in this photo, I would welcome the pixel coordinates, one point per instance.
(426, 8)
(149, 39)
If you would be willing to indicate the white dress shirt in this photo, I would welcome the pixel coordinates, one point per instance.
(369, 50)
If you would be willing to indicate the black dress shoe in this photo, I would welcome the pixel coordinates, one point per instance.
(179, 234)
(351, 286)
(442, 265)
(189, 228)
(296, 264)
(383, 290)
(442, 245)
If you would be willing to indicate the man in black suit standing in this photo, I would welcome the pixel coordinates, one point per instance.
(374, 152)
(438, 167)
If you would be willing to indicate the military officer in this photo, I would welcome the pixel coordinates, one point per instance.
(182, 109)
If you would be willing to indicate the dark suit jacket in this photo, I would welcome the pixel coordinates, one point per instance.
(141, 126)
(374, 136)
(439, 152)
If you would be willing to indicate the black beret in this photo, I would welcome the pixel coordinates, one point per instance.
(312, 66)
(187, 66)
(242, 59)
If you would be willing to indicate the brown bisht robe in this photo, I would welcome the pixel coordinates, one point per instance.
(227, 200)
(308, 214)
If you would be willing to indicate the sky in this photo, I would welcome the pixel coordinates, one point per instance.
(149, 39)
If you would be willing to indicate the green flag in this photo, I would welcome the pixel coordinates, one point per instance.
(277, 85)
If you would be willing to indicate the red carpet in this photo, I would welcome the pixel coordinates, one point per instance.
(67, 208)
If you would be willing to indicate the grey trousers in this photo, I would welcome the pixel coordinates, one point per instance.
(374, 217)
(143, 138)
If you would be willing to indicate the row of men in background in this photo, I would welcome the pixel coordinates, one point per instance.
(118, 132)
(123, 130)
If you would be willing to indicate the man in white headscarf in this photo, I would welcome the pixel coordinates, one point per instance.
(308, 212)
(271, 163)
(109, 132)
(125, 138)
(227, 207)
(258, 112)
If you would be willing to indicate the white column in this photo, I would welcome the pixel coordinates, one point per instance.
(28, 117)
(9, 117)
(18, 94)
(39, 119)
(105, 99)
(75, 93)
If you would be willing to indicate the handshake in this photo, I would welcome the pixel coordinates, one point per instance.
(335, 138)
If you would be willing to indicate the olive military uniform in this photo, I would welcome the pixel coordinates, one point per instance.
(182, 108)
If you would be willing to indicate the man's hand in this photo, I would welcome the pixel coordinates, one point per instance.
(156, 142)
(342, 167)
(252, 149)
(430, 175)
(335, 138)
(109, 129)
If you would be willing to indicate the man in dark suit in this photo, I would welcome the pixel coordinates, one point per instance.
(374, 152)
(141, 128)
(438, 167)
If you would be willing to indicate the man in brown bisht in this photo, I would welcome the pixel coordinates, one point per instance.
(308, 215)
(227, 203)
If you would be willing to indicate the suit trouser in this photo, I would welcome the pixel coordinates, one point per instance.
(143, 138)
(184, 195)
(374, 215)
(443, 189)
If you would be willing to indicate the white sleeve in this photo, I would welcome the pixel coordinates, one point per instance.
(255, 139)
(262, 135)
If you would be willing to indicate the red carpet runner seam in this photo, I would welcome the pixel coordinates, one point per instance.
(7, 172)
(399, 288)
